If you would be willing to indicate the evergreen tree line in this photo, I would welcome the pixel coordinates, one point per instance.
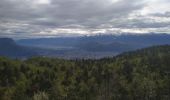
(139, 75)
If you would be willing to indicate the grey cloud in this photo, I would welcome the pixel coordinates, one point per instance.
(84, 14)
(166, 14)
(140, 23)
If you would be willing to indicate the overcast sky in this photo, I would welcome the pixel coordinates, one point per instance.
(39, 18)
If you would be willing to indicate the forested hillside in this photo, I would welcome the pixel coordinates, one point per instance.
(139, 75)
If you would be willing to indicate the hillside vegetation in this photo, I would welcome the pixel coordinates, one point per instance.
(139, 75)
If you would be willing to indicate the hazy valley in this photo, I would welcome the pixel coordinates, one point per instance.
(98, 46)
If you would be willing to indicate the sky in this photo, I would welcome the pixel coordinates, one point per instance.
(48, 18)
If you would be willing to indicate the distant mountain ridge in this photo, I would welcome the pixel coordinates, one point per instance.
(130, 42)
(98, 46)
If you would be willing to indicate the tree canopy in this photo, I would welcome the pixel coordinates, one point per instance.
(139, 75)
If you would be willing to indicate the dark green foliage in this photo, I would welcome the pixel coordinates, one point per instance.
(140, 75)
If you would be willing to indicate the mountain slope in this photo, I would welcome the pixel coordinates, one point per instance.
(9, 48)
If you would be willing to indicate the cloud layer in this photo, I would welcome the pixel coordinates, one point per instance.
(37, 18)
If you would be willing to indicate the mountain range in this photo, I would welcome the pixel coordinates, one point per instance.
(97, 46)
